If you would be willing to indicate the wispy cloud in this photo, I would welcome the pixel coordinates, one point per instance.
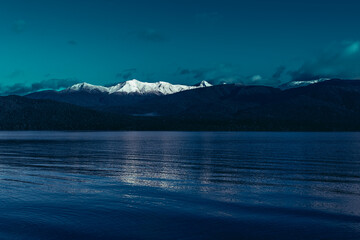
(72, 42)
(22, 88)
(228, 74)
(126, 74)
(15, 74)
(151, 35)
(340, 60)
(278, 73)
(19, 26)
(223, 73)
(209, 16)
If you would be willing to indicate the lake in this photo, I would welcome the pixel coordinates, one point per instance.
(179, 185)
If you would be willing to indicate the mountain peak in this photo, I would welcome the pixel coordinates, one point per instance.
(204, 83)
(133, 81)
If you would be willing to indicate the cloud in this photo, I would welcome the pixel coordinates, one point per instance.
(226, 74)
(223, 73)
(151, 35)
(340, 60)
(209, 17)
(277, 78)
(15, 74)
(256, 78)
(126, 74)
(19, 26)
(278, 73)
(72, 42)
(22, 89)
(198, 74)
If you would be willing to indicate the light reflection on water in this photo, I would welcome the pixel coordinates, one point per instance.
(179, 185)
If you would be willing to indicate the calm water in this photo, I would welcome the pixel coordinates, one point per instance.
(176, 185)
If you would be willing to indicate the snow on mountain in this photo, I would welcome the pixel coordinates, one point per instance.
(86, 87)
(136, 87)
(296, 84)
(204, 84)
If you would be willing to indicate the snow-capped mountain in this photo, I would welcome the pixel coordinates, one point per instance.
(204, 84)
(135, 87)
(86, 87)
(296, 84)
(125, 93)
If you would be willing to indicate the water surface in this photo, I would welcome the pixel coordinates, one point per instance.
(179, 185)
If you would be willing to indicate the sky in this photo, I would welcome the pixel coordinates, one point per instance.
(53, 44)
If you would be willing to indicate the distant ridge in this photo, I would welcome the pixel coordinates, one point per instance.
(300, 83)
(331, 105)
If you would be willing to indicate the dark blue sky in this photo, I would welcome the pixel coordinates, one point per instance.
(55, 43)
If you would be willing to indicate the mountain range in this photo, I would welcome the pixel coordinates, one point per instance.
(317, 105)
(129, 92)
